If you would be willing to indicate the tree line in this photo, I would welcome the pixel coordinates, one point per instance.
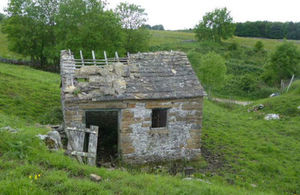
(154, 27)
(41, 28)
(266, 29)
(218, 25)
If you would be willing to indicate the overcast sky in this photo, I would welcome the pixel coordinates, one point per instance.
(180, 14)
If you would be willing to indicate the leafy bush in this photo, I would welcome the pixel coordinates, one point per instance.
(259, 46)
(212, 70)
(233, 46)
(283, 63)
(248, 86)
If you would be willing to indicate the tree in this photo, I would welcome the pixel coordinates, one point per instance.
(212, 70)
(30, 28)
(147, 26)
(215, 25)
(158, 27)
(85, 25)
(133, 18)
(2, 16)
(40, 28)
(273, 30)
(283, 63)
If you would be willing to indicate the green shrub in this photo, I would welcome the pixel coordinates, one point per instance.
(233, 46)
(283, 63)
(247, 86)
(212, 70)
(259, 46)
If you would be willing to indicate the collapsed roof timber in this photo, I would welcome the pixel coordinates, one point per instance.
(147, 107)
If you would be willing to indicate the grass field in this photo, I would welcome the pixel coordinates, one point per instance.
(173, 39)
(244, 154)
(23, 156)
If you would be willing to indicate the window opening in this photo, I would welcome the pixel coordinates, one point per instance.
(159, 117)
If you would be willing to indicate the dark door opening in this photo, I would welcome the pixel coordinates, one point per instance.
(107, 121)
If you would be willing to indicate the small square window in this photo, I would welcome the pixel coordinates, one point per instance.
(159, 118)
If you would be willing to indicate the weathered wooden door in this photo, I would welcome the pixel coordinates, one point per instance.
(82, 143)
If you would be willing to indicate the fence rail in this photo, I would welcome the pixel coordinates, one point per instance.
(100, 62)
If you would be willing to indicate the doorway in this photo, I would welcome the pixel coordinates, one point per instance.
(108, 123)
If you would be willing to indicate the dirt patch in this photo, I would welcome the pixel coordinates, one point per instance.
(215, 161)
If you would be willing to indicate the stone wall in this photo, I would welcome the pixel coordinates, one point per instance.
(145, 82)
(138, 142)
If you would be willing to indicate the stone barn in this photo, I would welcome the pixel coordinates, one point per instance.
(146, 107)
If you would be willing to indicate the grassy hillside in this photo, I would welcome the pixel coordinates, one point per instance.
(245, 149)
(242, 152)
(29, 94)
(240, 148)
(27, 167)
(23, 156)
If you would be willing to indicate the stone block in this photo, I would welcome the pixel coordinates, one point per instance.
(131, 105)
(127, 114)
(157, 104)
(126, 130)
(192, 144)
(127, 148)
(146, 124)
(96, 105)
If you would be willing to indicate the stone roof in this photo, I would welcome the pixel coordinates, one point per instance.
(158, 75)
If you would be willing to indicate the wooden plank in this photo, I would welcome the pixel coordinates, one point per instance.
(292, 79)
(78, 63)
(93, 148)
(97, 60)
(105, 56)
(76, 137)
(117, 56)
(94, 57)
(81, 56)
(83, 130)
(81, 154)
(75, 142)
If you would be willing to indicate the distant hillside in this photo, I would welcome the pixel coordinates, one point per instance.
(186, 40)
